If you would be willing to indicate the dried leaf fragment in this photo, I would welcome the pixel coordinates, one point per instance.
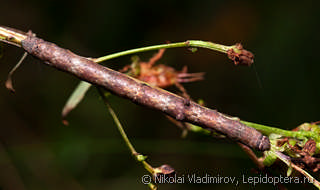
(8, 83)
(240, 56)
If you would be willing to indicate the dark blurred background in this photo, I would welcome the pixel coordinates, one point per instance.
(281, 89)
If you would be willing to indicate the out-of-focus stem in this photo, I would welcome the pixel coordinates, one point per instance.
(189, 43)
(12, 36)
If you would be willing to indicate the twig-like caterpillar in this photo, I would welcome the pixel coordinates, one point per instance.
(141, 93)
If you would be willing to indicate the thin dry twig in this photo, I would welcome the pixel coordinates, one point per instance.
(8, 83)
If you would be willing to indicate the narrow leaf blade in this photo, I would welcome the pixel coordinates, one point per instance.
(75, 98)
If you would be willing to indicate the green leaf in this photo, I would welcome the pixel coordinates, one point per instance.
(289, 171)
(141, 157)
(75, 98)
(270, 158)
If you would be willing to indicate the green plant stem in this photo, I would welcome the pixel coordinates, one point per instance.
(266, 130)
(120, 128)
(123, 133)
(295, 134)
(152, 186)
(189, 43)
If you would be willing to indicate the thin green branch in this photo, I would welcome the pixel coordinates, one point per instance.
(116, 120)
(295, 134)
(189, 43)
(133, 151)
(266, 130)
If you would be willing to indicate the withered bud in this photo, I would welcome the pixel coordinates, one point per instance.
(310, 147)
(243, 57)
(164, 171)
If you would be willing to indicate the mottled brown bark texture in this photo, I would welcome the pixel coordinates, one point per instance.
(141, 93)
